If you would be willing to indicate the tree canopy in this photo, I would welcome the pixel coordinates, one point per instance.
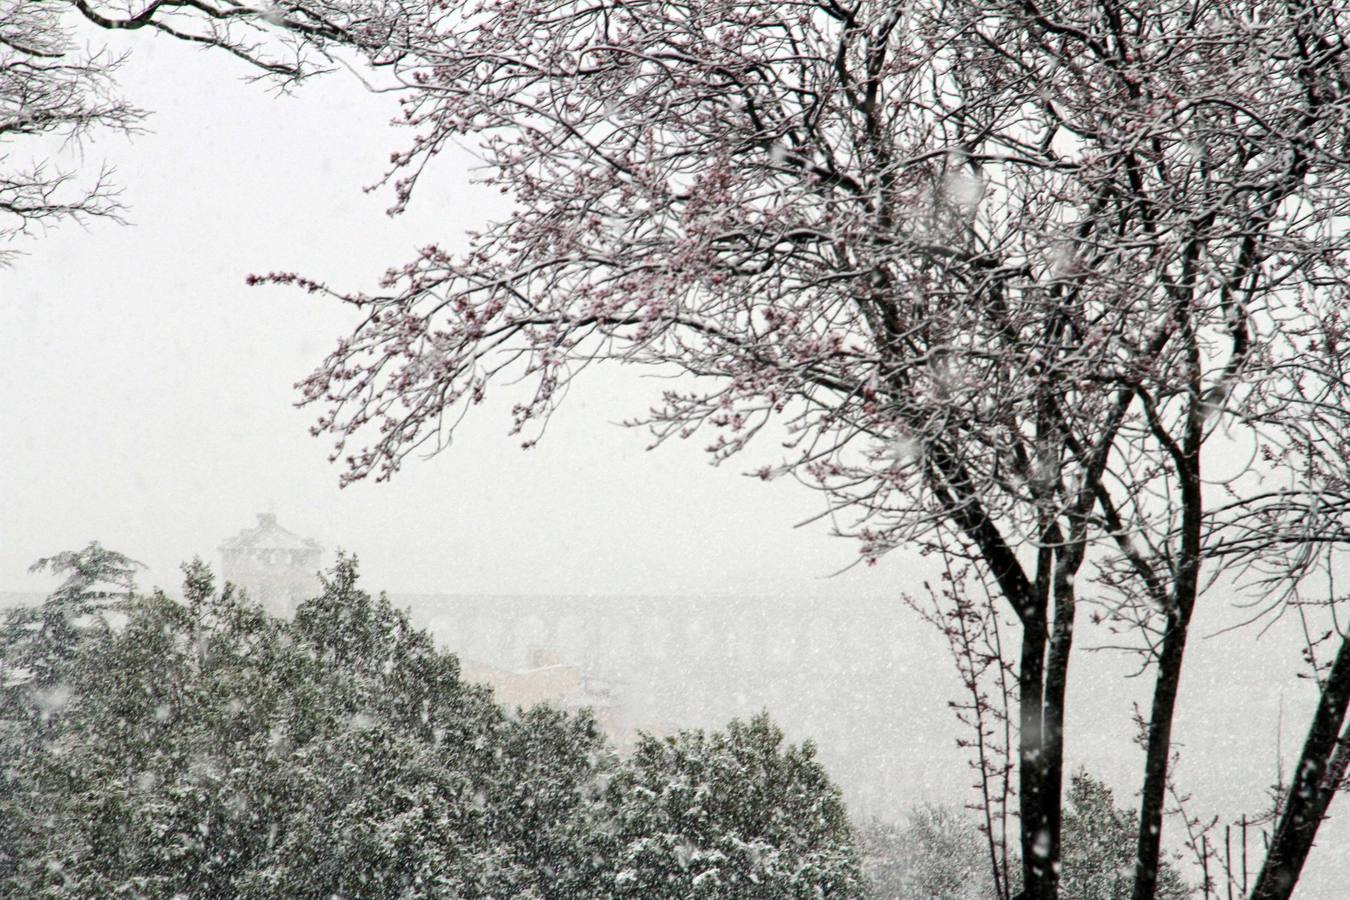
(203, 747)
(733, 814)
(939, 853)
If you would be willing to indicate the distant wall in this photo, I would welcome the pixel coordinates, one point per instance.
(864, 679)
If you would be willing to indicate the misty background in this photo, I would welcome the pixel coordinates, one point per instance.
(148, 404)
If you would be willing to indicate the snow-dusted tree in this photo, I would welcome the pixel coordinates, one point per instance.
(38, 646)
(96, 584)
(938, 854)
(50, 86)
(1099, 847)
(732, 814)
(1019, 279)
(206, 748)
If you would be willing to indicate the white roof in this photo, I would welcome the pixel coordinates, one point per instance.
(268, 535)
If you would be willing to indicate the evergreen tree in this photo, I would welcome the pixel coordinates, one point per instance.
(941, 855)
(729, 815)
(37, 647)
(938, 855)
(1099, 847)
(209, 749)
(205, 748)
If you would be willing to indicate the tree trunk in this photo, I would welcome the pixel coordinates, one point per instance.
(1052, 716)
(1321, 767)
(1038, 876)
(1156, 759)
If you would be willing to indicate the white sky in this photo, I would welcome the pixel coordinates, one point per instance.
(147, 392)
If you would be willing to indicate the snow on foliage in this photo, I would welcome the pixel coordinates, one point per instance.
(206, 748)
(734, 814)
(939, 854)
(1099, 847)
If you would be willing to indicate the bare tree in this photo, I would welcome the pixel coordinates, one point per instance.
(285, 40)
(1020, 280)
(49, 88)
(55, 91)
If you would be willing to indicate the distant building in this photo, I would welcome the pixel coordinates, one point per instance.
(277, 567)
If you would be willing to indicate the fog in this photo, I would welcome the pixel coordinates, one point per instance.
(148, 404)
(148, 391)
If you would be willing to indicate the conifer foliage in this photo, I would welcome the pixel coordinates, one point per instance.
(729, 815)
(205, 748)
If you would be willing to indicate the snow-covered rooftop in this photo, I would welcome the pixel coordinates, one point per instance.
(268, 535)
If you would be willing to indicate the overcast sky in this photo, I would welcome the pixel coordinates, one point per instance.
(148, 392)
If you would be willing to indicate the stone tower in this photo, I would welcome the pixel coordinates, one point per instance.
(277, 567)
